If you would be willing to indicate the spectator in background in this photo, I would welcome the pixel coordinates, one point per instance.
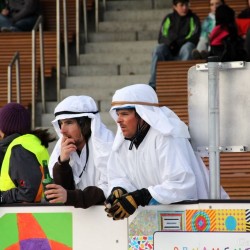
(78, 162)
(19, 15)
(22, 152)
(178, 36)
(243, 23)
(208, 24)
(224, 39)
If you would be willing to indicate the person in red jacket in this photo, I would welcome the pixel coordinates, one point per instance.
(224, 39)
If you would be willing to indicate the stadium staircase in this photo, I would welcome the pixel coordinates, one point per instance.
(119, 54)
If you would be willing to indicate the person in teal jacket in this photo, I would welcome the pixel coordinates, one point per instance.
(22, 152)
(201, 51)
(178, 36)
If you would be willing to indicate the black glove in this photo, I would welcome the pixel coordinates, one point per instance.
(128, 203)
(116, 193)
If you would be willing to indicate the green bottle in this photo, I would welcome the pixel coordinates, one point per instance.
(47, 178)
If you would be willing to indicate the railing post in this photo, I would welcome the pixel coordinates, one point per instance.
(78, 31)
(66, 48)
(213, 127)
(96, 15)
(15, 60)
(38, 25)
(58, 29)
(85, 20)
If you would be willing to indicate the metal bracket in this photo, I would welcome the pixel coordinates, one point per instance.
(223, 65)
(203, 151)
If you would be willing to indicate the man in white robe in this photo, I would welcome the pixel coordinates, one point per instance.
(78, 162)
(152, 160)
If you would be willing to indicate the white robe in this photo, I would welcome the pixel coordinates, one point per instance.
(100, 144)
(165, 162)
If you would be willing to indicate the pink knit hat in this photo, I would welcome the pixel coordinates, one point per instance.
(14, 118)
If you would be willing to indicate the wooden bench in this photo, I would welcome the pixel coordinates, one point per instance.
(171, 85)
(49, 13)
(235, 174)
(171, 88)
(12, 42)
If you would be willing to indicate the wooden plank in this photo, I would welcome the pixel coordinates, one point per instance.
(22, 42)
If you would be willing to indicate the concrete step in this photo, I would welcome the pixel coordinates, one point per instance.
(50, 107)
(135, 69)
(103, 93)
(104, 84)
(128, 5)
(116, 58)
(122, 36)
(92, 70)
(108, 70)
(132, 4)
(47, 118)
(121, 47)
(108, 121)
(110, 36)
(136, 15)
(119, 54)
(129, 26)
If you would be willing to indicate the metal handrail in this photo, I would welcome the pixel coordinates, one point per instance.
(58, 25)
(66, 47)
(85, 25)
(58, 36)
(104, 4)
(37, 26)
(78, 31)
(85, 20)
(96, 15)
(15, 60)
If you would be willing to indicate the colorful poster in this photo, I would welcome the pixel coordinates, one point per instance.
(47, 231)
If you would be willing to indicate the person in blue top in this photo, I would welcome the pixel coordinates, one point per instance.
(178, 36)
(208, 24)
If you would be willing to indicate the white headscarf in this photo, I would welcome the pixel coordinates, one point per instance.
(144, 99)
(101, 137)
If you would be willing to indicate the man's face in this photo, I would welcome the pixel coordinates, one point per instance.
(71, 129)
(128, 122)
(181, 8)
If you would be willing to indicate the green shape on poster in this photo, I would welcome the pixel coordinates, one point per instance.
(57, 226)
(8, 230)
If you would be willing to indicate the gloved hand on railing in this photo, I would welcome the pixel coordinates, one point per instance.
(126, 205)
